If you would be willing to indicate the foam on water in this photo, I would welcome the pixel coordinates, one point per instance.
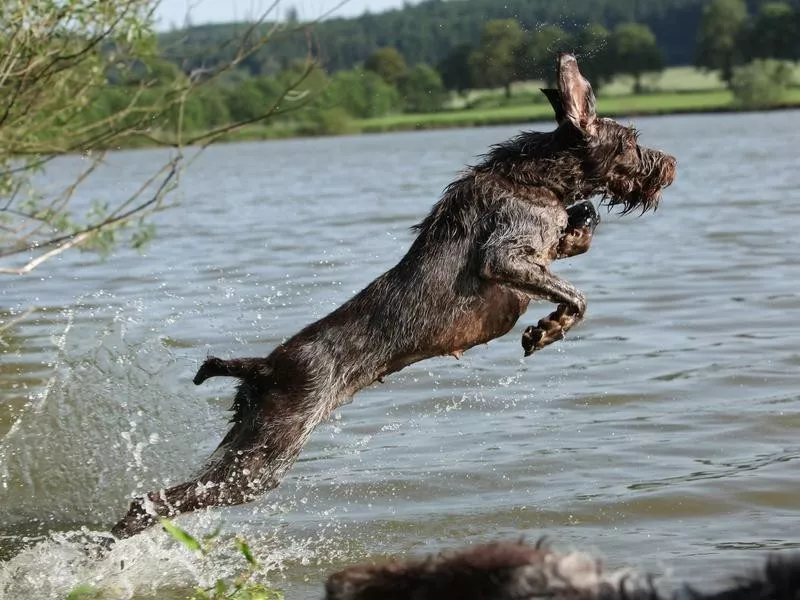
(113, 420)
(149, 563)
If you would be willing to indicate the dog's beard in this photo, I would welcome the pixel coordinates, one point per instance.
(642, 199)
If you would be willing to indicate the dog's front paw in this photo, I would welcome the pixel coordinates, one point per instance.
(536, 338)
(530, 339)
(550, 329)
(577, 237)
(582, 215)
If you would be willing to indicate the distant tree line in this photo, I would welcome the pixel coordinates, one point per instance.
(383, 85)
(427, 32)
(506, 53)
(731, 35)
(386, 80)
(728, 35)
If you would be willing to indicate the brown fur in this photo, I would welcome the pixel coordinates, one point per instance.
(517, 571)
(480, 256)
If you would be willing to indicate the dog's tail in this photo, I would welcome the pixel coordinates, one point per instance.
(250, 369)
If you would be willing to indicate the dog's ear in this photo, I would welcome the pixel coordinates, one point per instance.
(554, 97)
(576, 93)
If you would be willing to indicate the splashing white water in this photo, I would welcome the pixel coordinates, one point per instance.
(112, 419)
(145, 564)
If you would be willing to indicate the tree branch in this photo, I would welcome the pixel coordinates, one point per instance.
(51, 73)
(35, 262)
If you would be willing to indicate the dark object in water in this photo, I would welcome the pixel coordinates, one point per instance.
(480, 256)
(516, 571)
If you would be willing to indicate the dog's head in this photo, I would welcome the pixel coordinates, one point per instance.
(614, 164)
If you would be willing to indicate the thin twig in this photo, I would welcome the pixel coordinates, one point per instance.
(35, 262)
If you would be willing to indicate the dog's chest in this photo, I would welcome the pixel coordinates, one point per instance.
(493, 313)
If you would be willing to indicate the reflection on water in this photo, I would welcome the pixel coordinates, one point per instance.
(663, 433)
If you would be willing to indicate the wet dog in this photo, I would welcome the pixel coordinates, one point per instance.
(517, 571)
(479, 257)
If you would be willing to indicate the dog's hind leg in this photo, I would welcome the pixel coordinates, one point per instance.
(272, 422)
(218, 487)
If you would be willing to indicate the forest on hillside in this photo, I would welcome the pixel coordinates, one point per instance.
(427, 32)
(428, 58)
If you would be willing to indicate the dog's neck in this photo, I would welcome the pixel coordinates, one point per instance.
(532, 159)
(553, 160)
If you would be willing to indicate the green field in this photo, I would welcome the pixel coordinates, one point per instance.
(673, 79)
(676, 90)
(620, 106)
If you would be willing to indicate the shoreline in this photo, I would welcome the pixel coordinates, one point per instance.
(626, 107)
(457, 124)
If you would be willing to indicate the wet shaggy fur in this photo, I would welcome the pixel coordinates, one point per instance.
(480, 256)
(517, 571)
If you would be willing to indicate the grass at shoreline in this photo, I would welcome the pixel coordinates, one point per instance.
(620, 106)
(665, 103)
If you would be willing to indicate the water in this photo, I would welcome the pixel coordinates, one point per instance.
(663, 433)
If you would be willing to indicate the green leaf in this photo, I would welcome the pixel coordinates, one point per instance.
(181, 535)
(245, 550)
(210, 536)
(84, 592)
(139, 239)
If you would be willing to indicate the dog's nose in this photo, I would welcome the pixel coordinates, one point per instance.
(671, 169)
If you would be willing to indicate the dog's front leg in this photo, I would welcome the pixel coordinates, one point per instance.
(517, 267)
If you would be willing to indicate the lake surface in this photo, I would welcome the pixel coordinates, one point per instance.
(664, 433)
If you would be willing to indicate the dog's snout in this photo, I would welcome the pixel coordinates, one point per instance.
(670, 169)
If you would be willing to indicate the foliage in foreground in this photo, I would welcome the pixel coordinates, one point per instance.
(83, 77)
(242, 587)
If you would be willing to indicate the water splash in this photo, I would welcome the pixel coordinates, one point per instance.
(147, 564)
(114, 419)
(107, 422)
